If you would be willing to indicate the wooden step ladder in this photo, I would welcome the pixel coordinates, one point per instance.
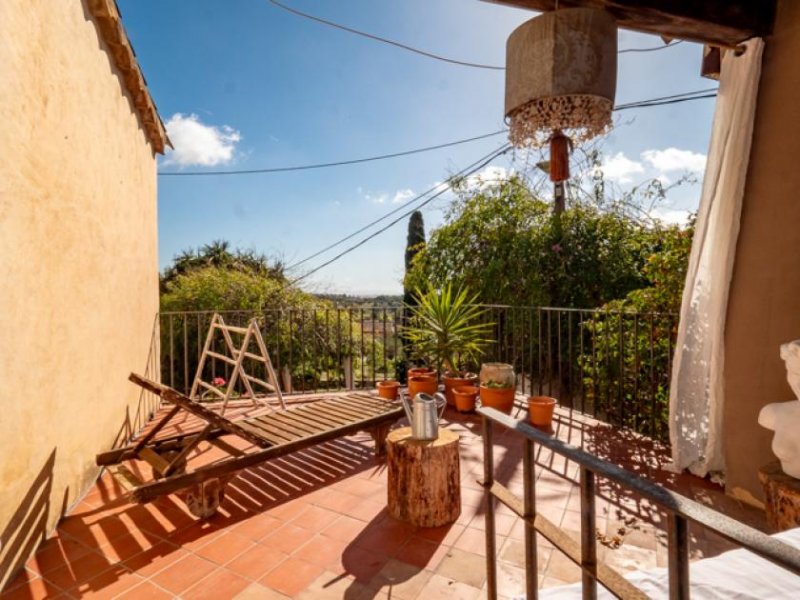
(236, 357)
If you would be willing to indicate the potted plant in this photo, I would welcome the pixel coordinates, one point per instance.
(498, 395)
(446, 329)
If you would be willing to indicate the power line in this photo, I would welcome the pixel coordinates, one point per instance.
(387, 215)
(638, 104)
(659, 101)
(664, 102)
(333, 164)
(425, 53)
(672, 99)
(502, 150)
(385, 40)
(651, 49)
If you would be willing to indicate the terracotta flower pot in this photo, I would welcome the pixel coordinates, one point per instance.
(426, 384)
(454, 380)
(422, 371)
(540, 411)
(388, 389)
(501, 399)
(465, 397)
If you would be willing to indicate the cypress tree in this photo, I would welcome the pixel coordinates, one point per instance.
(414, 243)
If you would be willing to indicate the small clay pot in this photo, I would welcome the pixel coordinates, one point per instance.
(501, 399)
(454, 380)
(431, 372)
(465, 397)
(388, 389)
(425, 384)
(540, 411)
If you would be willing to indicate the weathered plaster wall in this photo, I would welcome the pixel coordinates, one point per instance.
(78, 266)
(764, 306)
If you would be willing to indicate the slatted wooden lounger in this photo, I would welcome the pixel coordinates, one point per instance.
(276, 433)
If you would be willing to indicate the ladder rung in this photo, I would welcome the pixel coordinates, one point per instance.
(221, 357)
(251, 355)
(156, 461)
(211, 388)
(232, 328)
(269, 386)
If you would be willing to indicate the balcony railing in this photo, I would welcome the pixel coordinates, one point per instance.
(614, 366)
(680, 512)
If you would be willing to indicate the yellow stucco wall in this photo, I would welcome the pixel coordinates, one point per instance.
(78, 265)
(764, 305)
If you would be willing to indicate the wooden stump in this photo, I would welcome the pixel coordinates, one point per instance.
(783, 497)
(424, 485)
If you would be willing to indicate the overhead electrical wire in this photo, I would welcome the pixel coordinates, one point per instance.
(340, 163)
(462, 63)
(470, 169)
(404, 205)
(476, 167)
(377, 38)
(650, 49)
(684, 97)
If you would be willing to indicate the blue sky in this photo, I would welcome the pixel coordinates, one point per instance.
(245, 85)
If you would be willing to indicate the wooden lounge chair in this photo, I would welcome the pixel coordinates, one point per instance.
(275, 434)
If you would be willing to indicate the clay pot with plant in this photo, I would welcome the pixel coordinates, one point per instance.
(498, 395)
(447, 329)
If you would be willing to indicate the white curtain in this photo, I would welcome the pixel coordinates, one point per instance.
(696, 396)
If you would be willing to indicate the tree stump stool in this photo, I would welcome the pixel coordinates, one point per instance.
(783, 497)
(424, 485)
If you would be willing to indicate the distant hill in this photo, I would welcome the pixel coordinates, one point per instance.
(382, 301)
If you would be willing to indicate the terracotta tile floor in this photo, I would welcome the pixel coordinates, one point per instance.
(314, 525)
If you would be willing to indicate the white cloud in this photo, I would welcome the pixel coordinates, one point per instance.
(619, 168)
(377, 199)
(402, 196)
(673, 159)
(398, 197)
(671, 216)
(490, 175)
(199, 144)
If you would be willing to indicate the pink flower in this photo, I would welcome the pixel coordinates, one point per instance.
(556, 248)
(218, 381)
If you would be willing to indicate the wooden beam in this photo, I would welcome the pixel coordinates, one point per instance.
(716, 22)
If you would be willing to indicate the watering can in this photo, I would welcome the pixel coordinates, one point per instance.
(425, 414)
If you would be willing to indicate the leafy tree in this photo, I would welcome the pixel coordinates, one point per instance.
(506, 244)
(219, 254)
(633, 339)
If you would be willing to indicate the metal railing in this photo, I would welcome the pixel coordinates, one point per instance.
(679, 509)
(614, 366)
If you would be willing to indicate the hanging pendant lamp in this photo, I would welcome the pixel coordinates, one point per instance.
(561, 78)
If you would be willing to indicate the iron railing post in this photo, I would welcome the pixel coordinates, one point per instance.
(588, 537)
(529, 500)
(678, 557)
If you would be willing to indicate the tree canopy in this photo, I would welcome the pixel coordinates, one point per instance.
(506, 244)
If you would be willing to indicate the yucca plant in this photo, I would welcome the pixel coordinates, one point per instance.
(447, 327)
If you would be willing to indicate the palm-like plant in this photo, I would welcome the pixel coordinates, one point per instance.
(447, 326)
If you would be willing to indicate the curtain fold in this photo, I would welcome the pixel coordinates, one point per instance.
(697, 392)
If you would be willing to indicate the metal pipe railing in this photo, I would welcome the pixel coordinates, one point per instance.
(606, 364)
(679, 509)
